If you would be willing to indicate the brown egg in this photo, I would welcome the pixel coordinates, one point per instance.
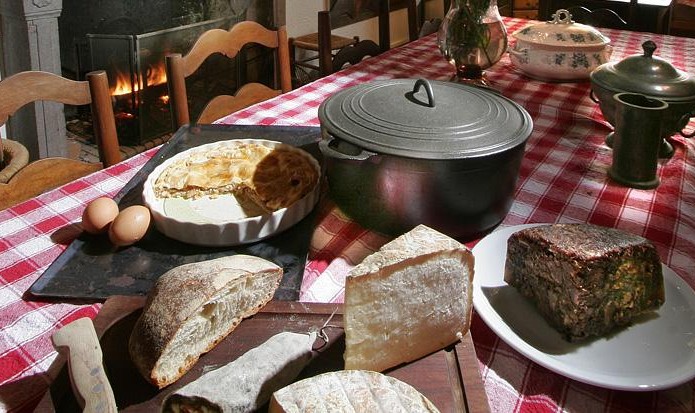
(99, 214)
(130, 225)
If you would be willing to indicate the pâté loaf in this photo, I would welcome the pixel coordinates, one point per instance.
(585, 280)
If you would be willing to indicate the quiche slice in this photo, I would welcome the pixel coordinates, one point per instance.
(272, 177)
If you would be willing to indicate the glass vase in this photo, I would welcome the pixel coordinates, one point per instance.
(472, 37)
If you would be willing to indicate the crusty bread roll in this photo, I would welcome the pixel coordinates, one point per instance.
(355, 391)
(409, 299)
(193, 307)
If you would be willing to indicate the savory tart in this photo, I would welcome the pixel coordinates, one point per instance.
(273, 176)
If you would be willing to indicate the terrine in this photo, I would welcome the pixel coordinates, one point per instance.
(585, 280)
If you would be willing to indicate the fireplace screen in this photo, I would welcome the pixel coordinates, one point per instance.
(135, 67)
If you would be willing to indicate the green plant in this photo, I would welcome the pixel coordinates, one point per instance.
(467, 32)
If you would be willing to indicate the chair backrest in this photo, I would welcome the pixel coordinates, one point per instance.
(681, 18)
(598, 17)
(23, 88)
(228, 43)
(354, 53)
(32, 86)
(604, 11)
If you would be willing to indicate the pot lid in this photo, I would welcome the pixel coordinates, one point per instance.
(562, 31)
(646, 74)
(425, 119)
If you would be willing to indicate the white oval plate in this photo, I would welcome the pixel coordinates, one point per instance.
(656, 352)
(222, 220)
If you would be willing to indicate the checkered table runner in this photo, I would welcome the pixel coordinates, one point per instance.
(562, 179)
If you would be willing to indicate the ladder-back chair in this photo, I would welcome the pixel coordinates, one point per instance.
(323, 46)
(606, 18)
(228, 43)
(41, 175)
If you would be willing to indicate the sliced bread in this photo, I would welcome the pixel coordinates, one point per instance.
(191, 308)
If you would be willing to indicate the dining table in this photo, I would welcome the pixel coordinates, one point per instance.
(562, 179)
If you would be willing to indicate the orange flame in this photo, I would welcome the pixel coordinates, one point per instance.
(155, 76)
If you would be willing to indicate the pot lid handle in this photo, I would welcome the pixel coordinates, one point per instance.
(684, 121)
(649, 48)
(416, 88)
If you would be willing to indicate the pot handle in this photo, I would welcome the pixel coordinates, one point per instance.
(593, 97)
(684, 121)
(331, 150)
(428, 89)
(518, 52)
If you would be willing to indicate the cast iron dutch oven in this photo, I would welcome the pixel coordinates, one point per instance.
(404, 152)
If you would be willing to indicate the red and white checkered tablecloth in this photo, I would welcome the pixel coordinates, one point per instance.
(562, 179)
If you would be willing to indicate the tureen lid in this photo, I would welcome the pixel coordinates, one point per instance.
(425, 119)
(645, 74)
(562, 31)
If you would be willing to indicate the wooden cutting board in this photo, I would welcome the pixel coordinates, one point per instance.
(449, 378)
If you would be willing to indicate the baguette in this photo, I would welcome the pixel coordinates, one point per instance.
(191, 308)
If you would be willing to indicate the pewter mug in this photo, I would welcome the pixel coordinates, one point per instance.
(639, 121)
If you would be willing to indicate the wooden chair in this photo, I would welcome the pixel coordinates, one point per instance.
(600, 10)
(606, 18)
(229, 43)
(351, 54)
(429, 26)
(681, 18)
(48, 173)
(323, 45)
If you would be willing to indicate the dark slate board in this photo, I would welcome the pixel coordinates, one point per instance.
(92, 268)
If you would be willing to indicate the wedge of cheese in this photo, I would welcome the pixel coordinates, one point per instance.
(349, 391)
(409, 299)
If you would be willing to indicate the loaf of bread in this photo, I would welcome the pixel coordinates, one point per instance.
(409, 299)
(355, 391)
(193, 307)
(246, 384)
(585, 280)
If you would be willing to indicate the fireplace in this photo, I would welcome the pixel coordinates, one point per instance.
(51, 36)
(130, 41)
(135, 67)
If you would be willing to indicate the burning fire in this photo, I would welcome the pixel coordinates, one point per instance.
(155, 76)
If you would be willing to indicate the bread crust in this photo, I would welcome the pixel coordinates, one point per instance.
(181, 294)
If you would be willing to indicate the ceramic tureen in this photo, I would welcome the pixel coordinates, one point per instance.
(560, 49)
